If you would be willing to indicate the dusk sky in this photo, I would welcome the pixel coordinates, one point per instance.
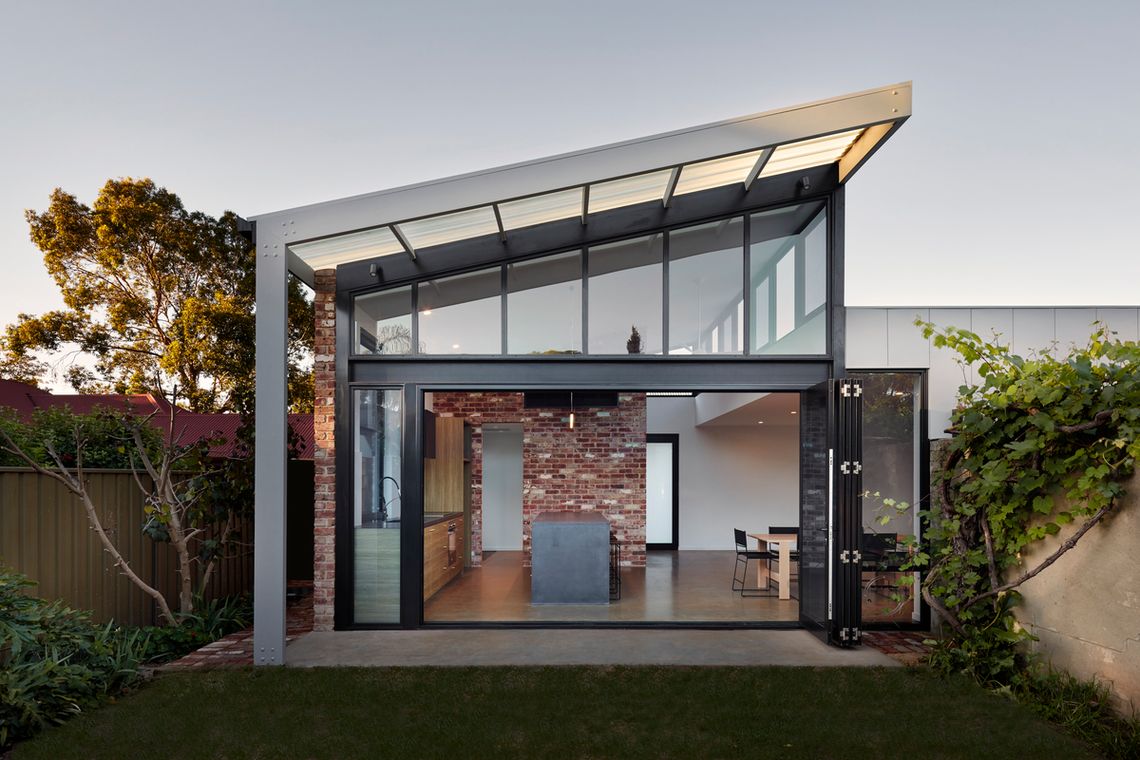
(1015, 182)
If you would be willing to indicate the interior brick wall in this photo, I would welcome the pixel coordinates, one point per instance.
(599, 465)
(324, 454)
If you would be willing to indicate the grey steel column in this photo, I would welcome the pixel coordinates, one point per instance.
(270, 451)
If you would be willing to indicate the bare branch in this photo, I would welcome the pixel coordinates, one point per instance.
(1064, 547)
(1099, 419)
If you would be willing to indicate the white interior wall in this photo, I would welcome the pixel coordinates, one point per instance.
(729, 477)
(503, 487)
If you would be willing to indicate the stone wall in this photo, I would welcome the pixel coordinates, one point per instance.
(1085, 608)
(324, 455)
(599, 465)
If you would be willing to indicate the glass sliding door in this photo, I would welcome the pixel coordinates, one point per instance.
(376, 507)
(892, 440)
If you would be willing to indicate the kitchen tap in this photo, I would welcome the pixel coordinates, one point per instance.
(384, 503)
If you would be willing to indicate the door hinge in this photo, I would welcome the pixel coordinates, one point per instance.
(848, 556)
(850, 389)
(850, 634)
(851, 468)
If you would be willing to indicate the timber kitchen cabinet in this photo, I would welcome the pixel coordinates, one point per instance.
(447, 503)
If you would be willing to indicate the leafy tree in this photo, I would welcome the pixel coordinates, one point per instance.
(191, 502)
(1038, 443)
(159, 296)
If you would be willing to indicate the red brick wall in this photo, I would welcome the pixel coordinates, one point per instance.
(599, 465)
(324, 454)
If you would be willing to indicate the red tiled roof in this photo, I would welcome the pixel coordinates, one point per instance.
(188, 427)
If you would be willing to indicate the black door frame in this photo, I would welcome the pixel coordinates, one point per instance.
(674, 439)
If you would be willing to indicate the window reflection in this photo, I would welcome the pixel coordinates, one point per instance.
(461, 314)
(377, 508)
(788, 280)
(383, 322)
(544, 305)
(625, 304)
(706, 291)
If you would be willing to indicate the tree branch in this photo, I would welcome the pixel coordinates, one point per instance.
(1099, 419)
(1064, 547)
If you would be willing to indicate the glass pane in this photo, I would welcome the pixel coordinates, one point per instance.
(541, 209)
(376, 505)
(815, 268)
(369, 244)
(625, 297)
(628, 191)
(788, 260)
(462, 314)
(715, 173)
(891, 456)
(808, 153)
(659, 493)
(706, 287)
(447, 228)
(544, 306)
(382, 322)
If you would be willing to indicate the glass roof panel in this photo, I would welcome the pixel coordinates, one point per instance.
(540, 209)
(808, 153)
(355, 246)
(447, 228)
(715, 173)
(628, 191)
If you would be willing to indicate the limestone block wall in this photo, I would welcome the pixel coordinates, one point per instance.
(1085, 609)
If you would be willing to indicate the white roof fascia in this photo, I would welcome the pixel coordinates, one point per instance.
(685, 146)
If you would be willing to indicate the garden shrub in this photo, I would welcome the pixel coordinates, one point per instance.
(54, 662)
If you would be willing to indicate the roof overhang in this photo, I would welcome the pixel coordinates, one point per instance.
(408, 220)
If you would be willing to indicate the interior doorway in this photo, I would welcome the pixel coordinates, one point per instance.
(502, 487)
(662, 502)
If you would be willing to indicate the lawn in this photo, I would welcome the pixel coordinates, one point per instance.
(557, 712)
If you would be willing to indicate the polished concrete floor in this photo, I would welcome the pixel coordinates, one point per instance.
(470, 647)
(682, 586)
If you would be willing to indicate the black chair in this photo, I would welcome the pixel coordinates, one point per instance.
(743, 555)
(795, 553)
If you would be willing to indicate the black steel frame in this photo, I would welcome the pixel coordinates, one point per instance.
(923, 489)
(674, 440)
(416, 375)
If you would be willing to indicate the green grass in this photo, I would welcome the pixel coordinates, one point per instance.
(574, 712)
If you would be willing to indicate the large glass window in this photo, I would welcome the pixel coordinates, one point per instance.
(788, 280)
(376, 505)
(625, 311)
(382, 322)
(706, 288)
(891, 466)
(544, 305)
(462, 314)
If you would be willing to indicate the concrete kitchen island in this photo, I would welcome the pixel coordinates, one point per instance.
(570, 558)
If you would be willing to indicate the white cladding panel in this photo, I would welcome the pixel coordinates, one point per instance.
(880, 338)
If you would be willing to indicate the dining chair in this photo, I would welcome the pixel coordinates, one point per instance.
(794, 555)
(743, 556)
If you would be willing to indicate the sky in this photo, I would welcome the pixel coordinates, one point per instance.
(1013, 183)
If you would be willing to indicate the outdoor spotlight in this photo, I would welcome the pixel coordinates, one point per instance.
(805, 182)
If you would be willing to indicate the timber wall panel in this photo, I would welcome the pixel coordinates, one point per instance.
(45, 534)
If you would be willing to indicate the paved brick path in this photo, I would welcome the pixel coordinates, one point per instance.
(236, 650)
(904, 646)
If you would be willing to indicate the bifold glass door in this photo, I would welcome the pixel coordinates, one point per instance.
(831, 510)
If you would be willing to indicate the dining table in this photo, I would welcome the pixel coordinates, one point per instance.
(781, 544)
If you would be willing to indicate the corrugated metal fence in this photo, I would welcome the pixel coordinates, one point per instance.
(44, 534)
